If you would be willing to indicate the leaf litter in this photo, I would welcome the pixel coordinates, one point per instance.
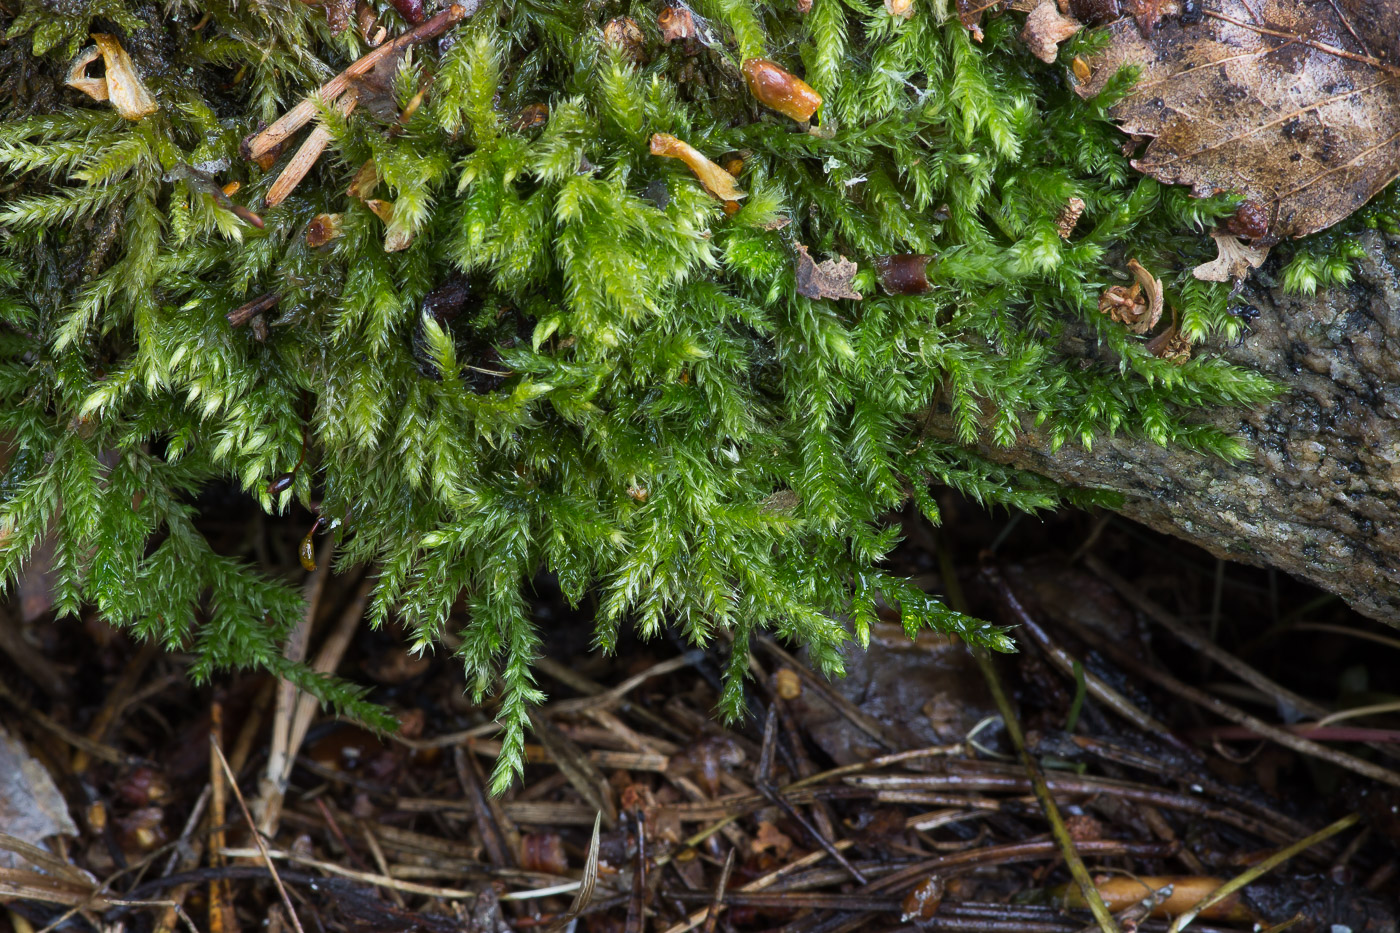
(1293, 104)
(898, 773)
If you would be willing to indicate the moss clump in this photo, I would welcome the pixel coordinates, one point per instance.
(581, 362)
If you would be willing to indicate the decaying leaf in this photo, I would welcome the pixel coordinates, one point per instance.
(829, 279)
(1171, 345)
(31, 807)
(1138, 308)
(121, 84)
(715, 179)
(1234, 260)
(1293, 103)
(1046, 27)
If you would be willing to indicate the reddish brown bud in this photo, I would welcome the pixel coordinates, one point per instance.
(779, 90)
(904, 274)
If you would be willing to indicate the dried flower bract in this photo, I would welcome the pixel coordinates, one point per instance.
(715, 179)
(122, 82)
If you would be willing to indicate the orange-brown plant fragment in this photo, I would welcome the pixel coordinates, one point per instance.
(780, 90)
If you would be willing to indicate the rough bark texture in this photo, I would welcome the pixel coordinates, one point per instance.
(1321, 497)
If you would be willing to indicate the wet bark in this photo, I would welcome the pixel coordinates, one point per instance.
(1320, 497)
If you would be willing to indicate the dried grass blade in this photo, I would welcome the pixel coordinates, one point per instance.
(584, 896)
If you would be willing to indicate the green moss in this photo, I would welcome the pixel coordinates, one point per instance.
(677, 432)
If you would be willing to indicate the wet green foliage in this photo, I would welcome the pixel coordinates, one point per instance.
(633, 396)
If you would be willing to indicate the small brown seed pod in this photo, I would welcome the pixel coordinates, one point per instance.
(903, 274)
(780, 90)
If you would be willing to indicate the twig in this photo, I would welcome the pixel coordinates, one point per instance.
(1256, 871)
(306, 155)
(1258, 726)
(1097, 907)
(713, 917)
(257, 837)
(1204, 645)
(1039, 787)
(281, 753)
(763, 781)
(248, 310)
(302, 113)
(636, 904)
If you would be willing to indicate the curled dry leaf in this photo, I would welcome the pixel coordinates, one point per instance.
(715, 179)
(1292, 103)
(1139, 307)
(1170, 344)
(830, 279)
(781, 90)
(1233, 260)
(121, 84)
(1046, 27)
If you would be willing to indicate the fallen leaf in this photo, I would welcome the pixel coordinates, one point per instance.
(1045, 29)
(31, 807)
(829, 279)
(1292, 103)
(1234, 259)
(715, 179)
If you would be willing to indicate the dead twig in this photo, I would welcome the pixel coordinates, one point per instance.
(300, 115)
(257, 837)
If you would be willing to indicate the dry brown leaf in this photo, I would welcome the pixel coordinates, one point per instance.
(1045, 29)
(1234, 260)
(829, 279)
(1292, 103)
(715, 179)
(122, 82)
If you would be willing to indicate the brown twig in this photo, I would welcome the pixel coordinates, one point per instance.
(257, 837)
(294, 119)
(248, 310)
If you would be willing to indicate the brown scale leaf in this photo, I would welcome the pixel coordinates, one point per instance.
(830, 279)
(1292, 103)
